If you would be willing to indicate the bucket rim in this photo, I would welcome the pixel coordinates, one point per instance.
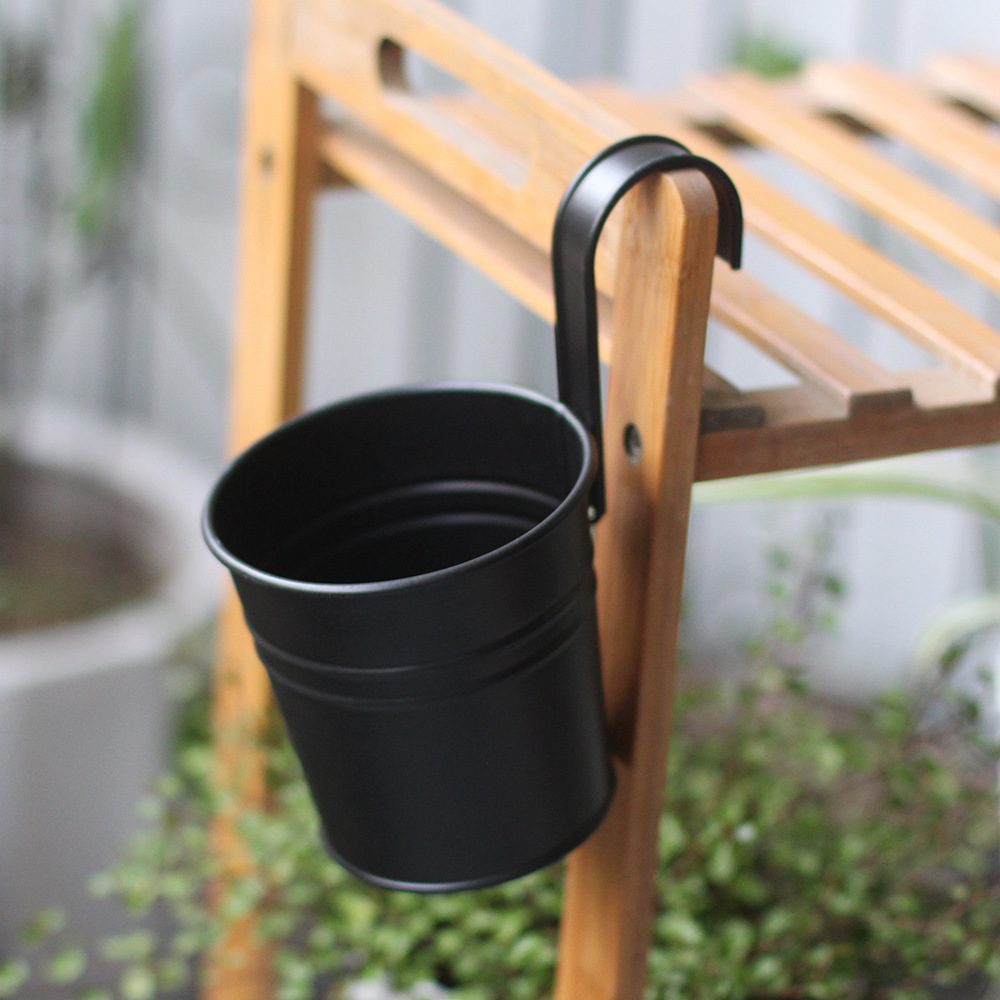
(568, 502)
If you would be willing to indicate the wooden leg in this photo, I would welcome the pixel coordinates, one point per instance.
(661, 311)
(238, 968)
(281, 171)
(280, 175)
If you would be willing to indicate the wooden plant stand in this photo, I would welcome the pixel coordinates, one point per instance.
(483, 173)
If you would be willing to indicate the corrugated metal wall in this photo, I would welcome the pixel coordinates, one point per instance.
(389, 306)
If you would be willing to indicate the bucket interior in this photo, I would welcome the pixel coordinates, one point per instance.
(396, 485)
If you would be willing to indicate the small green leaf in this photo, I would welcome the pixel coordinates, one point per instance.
(359, 911)
(672, 836)
(67, 965)
(172, 974)
(737, 938)
(722, 863)
(43, 925)
(777, 921)
(768, 970)
(102, 885)
(779, 558)
(137, 983)
(133, 947)
(94, 993)
(14, 973)
(680, 928)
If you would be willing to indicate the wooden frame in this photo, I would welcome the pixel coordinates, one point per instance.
(483, 173)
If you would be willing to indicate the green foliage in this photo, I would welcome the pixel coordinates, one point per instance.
(803, 591)
(947, 638)
(14, 973)
(766, 56)
(110, 125)
(857, 854)
(806, 850)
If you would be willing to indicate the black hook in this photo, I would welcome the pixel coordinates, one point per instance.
(584, 209)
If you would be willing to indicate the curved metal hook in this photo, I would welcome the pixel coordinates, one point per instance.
(584, 209)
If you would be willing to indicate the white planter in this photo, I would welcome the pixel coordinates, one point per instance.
(84, 708)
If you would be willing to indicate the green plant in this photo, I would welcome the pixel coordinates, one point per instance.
(111, 130)
(806, 850)
(71, 208)
(946, 637)
(765, 55)
(802, 591)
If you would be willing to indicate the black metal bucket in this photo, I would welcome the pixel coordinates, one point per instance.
(416, 569)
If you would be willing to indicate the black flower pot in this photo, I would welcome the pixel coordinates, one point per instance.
(416, 569)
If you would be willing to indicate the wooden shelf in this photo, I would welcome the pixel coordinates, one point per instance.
(483, 172)
(846, 406)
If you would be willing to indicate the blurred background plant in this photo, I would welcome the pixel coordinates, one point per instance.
(102, 307)
(71, 228)
(960, 638)
(31, 204)
(105, 202)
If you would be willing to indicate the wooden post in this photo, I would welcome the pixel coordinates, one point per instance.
(280, 175)
(661, 311)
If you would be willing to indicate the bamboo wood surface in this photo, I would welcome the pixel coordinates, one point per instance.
(655, 384)
(848, 164)
(911, 111)
(852, 267)
(485, 241)
(523, 270)
(970, 78)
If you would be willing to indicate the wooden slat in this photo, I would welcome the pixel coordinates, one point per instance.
(525, 272)
(957, 337)
(861, 173)
(941, 388)
(903, 108)
(833, 364)
(518, 266)
(799, 434)
(724, 407)
(793, 339)
(334, 47)
(805, 346)
(879, 285)
(655, 384)
(480, 238)
(970, 78)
